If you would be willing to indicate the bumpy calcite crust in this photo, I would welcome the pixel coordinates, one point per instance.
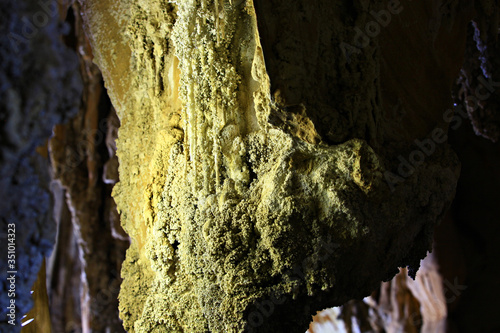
(227, 212)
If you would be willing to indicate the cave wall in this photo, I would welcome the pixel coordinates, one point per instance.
(85, 166)
(475, 213)
(39, 87)
(57, 192)
(235, 177)
(460, 289)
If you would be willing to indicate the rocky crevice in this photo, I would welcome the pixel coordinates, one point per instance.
(275, 159)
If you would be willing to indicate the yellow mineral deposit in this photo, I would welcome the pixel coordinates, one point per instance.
(236, 224)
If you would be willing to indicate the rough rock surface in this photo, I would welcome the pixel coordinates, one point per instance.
(39, 87)
(253, 199)
(84, 163)
(479, 82)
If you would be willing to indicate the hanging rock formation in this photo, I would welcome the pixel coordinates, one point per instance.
(265, 174)
(459, 293)
(276, 158)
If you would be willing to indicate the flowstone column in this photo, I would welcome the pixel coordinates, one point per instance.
(253, 164)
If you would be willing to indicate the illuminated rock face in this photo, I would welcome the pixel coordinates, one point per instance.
(255, 191)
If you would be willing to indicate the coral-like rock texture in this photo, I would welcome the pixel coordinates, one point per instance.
(268, 162)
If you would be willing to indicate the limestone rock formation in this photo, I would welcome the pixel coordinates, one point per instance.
(463, 300)
(275, 158)
(91, 242)
(265, 182)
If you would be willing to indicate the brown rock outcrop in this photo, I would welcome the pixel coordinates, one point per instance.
(82, 154)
